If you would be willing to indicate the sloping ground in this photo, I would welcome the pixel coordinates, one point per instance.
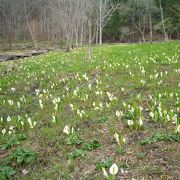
(122, 107)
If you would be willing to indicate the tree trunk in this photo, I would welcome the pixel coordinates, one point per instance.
(150, 22)
(30, 30)
(10, 39)
(163, 25)
(97, 33)
(100, 35)
(68, 44)
(100, 22)
(76, 37)
(151, 30)
(82, 28)
(90, 41)
(143, 37)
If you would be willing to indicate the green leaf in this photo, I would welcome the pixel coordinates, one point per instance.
(105, 164)
(121, 150)
(24, 156)
(77, 153)
(15, 140)
(6, 172)
(73, 139)
(31, 158)
(92, 145)
(160, 137)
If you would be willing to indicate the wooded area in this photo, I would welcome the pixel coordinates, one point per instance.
(77, 22)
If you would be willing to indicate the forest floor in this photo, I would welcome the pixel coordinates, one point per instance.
(64, 117)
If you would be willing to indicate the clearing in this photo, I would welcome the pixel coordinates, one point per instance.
(123, 107)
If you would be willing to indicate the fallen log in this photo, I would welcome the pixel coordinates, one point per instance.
(7, 57)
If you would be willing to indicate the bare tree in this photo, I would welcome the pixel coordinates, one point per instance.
(69, 13)
(163, 24)
(139, 17)
(150, 20)
(29, 26)
(9, 16)
(106, 10)
(8, 25)
(90, 12)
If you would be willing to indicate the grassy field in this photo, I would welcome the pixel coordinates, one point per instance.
(63, 117)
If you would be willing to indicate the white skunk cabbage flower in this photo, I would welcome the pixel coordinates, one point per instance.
(118, 114)
(151, 115)
(177, 130)
(72, 130)
(116, 136)
(105, 174)
(3, 131)
(130, 122)
(113, 169)
(66, 130)
(140, 122)
(30, 123)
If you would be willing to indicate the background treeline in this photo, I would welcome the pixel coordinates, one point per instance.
(141, 20)
(78, 22)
